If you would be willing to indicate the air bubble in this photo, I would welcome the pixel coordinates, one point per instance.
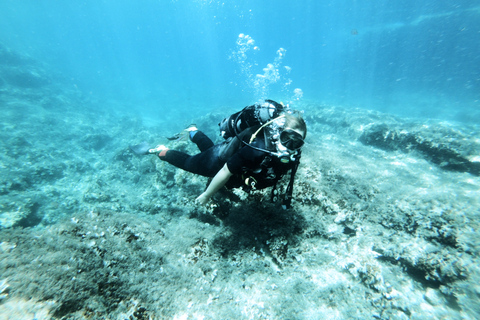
(261, 83)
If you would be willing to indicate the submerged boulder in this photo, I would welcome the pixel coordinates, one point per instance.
(436, 151)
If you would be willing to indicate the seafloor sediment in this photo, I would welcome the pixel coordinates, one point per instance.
(385, 218)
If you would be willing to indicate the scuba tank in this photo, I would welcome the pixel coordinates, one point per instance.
(251, 116)
(249, 122)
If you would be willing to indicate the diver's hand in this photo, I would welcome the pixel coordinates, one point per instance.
(202, 199)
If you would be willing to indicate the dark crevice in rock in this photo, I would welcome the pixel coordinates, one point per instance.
(383, 137)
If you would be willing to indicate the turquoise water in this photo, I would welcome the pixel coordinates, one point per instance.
(408, 57)
(385, 214)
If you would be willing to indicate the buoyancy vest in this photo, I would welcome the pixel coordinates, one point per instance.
(266, 174)
(235, 143)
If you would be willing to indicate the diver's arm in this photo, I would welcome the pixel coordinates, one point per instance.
(218, 182)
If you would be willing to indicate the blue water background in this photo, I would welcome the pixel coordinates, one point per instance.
(414, 58)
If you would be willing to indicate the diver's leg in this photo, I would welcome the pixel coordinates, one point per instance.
(201, 140)
(174, 157)
(206, 163)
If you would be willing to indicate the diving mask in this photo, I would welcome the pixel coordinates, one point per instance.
(291, 139)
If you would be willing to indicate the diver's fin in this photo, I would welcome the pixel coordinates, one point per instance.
(140, 149)
(184, 135)
(177, 136)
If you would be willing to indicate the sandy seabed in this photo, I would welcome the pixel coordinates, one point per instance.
(384, 225)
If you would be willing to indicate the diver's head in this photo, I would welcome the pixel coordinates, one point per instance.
(290, 138)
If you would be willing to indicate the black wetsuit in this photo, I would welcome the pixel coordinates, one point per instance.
(207, 163)
(245, 162)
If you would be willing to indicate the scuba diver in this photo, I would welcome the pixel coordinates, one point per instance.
(262, 143)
